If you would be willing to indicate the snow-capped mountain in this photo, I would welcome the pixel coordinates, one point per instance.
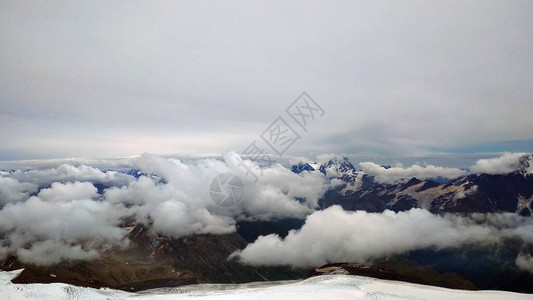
(153, 259)
(334, 168)
(342, 169)
(472, 192)
(299, 168)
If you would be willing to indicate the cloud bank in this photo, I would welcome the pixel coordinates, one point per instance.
(69, 173)
(42, 232)
(504, 164)
(11, 190)
(335, 235)
(394, 174)
(507, 163)
(55, 214)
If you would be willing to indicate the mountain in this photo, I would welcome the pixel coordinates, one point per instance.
(396, 268)
(488, 267)
(488, 193)
(299, 168)
(342, 169)
(483, 193)
(153, 261)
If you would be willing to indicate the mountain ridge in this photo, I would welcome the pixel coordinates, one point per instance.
(469, 193)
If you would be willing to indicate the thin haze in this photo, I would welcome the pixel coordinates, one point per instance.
(108, 79)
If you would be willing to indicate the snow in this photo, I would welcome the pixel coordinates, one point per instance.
(7, 276)
(320, 287)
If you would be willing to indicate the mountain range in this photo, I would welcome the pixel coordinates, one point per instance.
(470, 193)
(155, 260)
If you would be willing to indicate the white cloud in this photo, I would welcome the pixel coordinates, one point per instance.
(71, 215)
(35, 229)
(175, 219)
(101, 163)
(294, 160)
(11, 190)
(278, 193)
(335, 235)
(70, 173)
(394, 174)
(326, 157)
(507, 163)
(62, 192)
(50, 252)
(463, 194)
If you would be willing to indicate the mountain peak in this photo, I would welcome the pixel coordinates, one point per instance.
(525, 164)
(299, 168)
(337, 165)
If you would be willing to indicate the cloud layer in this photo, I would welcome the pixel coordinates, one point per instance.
(335, 235)
(393, 174)
(42, 232)
(504, 164)
(70, 173)
(70, 212)
(108, 79)
(55, 214)
(507, 163)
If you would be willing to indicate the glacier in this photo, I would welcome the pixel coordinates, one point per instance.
(320, 287)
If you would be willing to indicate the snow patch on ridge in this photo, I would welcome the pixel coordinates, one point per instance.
(7, 276)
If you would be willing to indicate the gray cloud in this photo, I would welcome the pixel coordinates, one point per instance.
(525, 262)
(110, 79)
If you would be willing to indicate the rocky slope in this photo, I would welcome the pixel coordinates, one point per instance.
(483, 193)
(395, 268)
(155, 261)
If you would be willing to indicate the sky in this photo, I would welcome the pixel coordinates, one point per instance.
(403, 79)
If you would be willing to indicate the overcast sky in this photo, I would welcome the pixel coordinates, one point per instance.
(395, 79)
